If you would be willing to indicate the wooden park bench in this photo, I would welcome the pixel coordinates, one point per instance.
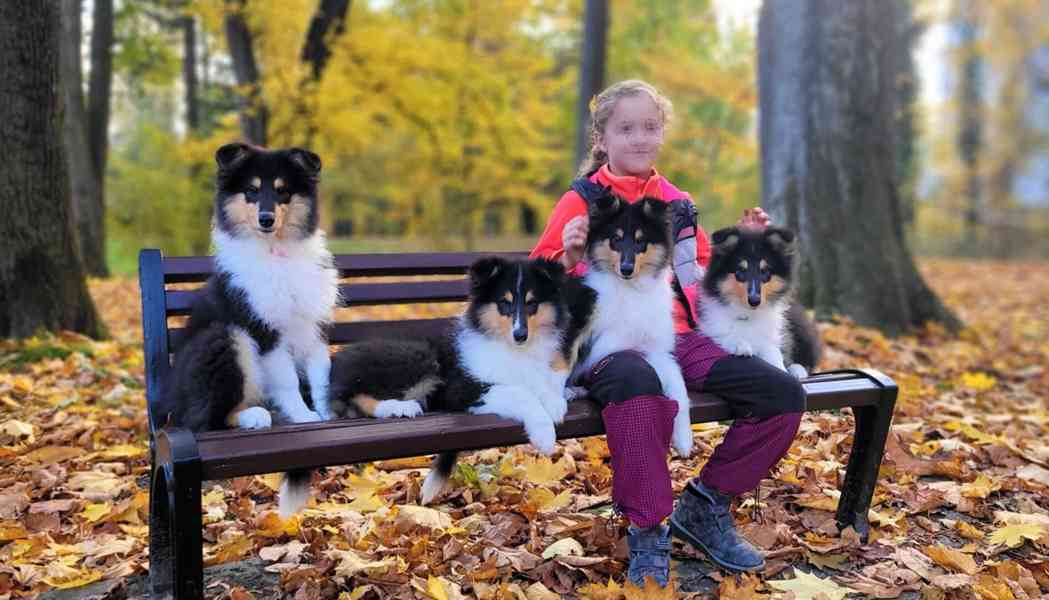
(182, 461)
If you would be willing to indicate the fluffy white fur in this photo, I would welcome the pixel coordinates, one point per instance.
(523, 386)
(292, 286)
(637, 314)
(748, 331)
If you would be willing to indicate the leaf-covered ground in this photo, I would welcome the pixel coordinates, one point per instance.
(961, 511)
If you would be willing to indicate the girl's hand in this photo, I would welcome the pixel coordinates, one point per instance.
(754, 218)
(573, 239)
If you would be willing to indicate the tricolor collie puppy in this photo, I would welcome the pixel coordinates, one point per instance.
(746, 305)
(512, 351)
(628, 250)
(260, 319)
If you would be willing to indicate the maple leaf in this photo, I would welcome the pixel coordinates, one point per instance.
(650, 591)
(979, 382)
(545, 500)
(1015, 534)
(810, 587)
(741, 587)
(543, 471)
(982, 487)
(366, 503)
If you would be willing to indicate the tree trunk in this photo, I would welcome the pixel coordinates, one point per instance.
(253, 113)
(970, 135)
(41, 276)
(828, 104)
(189, 72)
(316, 50)
(591, 70)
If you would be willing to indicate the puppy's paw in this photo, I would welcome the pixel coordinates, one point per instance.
(398, 408)
(542, 435)
(255, 417)
(682, 437)
(798, 371)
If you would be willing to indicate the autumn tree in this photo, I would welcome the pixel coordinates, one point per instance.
(42, 282)
(828, 104)
(591, 70)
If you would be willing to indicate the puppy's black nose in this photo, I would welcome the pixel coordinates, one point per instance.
(266, 219)
(754, 301)
(627, 269)
(520, 335)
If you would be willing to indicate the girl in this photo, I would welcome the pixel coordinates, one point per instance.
(628, 121)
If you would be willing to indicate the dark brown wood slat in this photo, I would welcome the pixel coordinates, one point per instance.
(181, 269)
(344, 333)
(231, 454)
(180, 302)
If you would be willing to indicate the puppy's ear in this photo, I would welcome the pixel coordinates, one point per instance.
(653, 208)
(309, 162)
(725, 240)
(231, 155)
(605, 204)
(484, 270)
(550, 269)
(782, 240)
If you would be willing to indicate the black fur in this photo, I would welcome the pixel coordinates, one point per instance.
(630, 229)
(381, 368)
(222, 302)
(205, 382)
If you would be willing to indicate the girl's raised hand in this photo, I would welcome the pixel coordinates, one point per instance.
(754, 218)
(573, 239)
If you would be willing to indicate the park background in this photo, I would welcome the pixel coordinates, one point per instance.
(453, 124)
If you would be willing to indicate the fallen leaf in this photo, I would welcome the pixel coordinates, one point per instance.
(52, 454)
(409, 516)
(565, 547)
(951, 559)
(1015, 534)
(810, 587)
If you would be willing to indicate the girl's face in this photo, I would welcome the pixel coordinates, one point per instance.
(633, 136)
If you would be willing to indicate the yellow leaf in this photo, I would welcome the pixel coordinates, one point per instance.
(271, 525)
(53, 454)
(239, 547)
(543, 499)
(366, 503)
(63, 577)
(96, 511)
(968, 531)
(981, 488)
(122, 451)
(744, 589)
(350, 563)
(651, 591)
(808, 587)
(435, 587)
(951, 559)
(538, 591)
(1015, 534)
(979, 382)
(988, 587)
(542, 471)
(596, 591)
(409, 516)
(10, 530)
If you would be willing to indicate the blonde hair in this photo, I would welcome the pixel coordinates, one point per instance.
(601, 109)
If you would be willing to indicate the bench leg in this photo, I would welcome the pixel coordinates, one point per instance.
(176, 566)
(868, 446)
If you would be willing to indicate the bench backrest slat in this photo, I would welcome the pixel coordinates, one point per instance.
(180, 302)
(346, 332)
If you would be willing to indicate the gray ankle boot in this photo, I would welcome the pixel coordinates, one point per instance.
(649, 555)
(703, 518)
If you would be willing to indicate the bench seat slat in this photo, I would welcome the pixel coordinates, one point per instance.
(234, 453)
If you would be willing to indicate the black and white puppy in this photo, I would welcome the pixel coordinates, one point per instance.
(747, 305)
(260, 319)
(628, 249)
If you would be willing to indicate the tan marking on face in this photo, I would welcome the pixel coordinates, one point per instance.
(764, 264)
(775, 288)
(604, 257)
(280, 216)
(743, 264)
(508, 297)
(529, 297)
(365, 403)
(241, 213)
(494, 324)
(638, 235)
(296, 214)
(543, 322)
(734, 290)
(652, 257)
(256, 182)
(278, 183)
(619, 233)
